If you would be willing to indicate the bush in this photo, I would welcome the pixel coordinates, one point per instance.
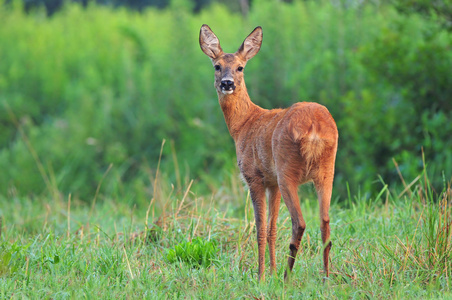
(92, 87)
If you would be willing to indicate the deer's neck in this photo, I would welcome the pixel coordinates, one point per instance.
(237, 110)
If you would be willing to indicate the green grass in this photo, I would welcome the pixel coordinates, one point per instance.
(395, 245)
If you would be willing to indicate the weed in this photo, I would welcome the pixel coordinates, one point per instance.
(197, 253)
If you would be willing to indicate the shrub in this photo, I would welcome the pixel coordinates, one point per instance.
(80, 96)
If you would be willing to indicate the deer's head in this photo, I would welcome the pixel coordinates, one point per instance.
(229, 67)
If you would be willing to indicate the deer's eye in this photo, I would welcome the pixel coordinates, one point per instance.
(240, 69)
(217, 67)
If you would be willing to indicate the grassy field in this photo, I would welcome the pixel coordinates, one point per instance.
(395, 245)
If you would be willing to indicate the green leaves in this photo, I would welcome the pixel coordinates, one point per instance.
(54, 260)
(12, 256)
(197, 253)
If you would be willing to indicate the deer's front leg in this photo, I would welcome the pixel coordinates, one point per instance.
(257, 193)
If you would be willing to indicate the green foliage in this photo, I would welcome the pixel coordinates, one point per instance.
(12, 257)
(440, 10)
(198, 252)
(89, 88)
(410, 60)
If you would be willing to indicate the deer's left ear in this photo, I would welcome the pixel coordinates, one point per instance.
(252, 44)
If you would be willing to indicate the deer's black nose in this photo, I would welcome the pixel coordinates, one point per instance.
(227, 85)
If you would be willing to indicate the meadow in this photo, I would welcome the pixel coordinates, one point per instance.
(395, 245)
(118, 177)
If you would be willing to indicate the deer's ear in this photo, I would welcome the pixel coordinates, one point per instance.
(252, 44)
(209, 42)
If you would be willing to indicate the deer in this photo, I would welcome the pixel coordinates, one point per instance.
(277, 150)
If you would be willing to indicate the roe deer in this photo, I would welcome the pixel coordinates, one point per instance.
(277, 150)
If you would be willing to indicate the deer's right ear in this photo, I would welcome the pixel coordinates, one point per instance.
(209, 42)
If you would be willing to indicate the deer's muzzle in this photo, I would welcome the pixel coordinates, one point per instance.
(227, 86)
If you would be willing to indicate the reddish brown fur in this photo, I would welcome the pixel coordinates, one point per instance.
(277, 150)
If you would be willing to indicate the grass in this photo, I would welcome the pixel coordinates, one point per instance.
(396, 245)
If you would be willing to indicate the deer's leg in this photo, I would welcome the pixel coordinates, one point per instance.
(289, 194)
(258, 197)
(324, 187)
(274, 199)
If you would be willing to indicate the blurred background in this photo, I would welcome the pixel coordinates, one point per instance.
(90, 89)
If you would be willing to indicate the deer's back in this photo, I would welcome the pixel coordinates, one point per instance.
(286, 142)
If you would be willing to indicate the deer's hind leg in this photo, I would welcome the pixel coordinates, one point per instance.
(324, 188)
(274, 200)
(289, 193)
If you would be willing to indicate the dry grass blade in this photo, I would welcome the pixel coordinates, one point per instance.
(183, 198)
(408, 187)
(154, 195)
(410, 246)
(128, 263)
(98, 188)
(400, 173)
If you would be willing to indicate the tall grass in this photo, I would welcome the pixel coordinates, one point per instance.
(394, 245)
